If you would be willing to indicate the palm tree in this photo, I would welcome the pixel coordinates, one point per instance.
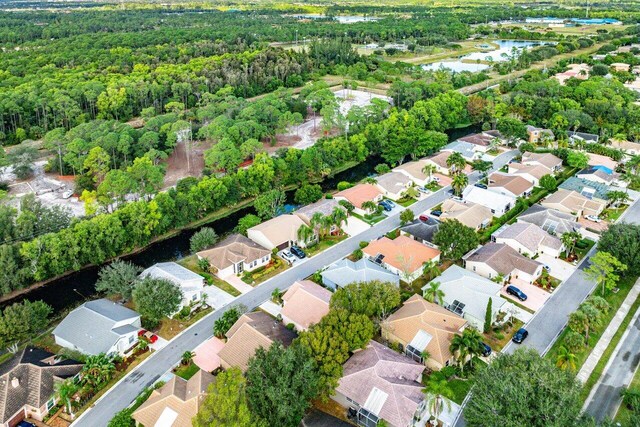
(97, 370)
(466, 346)
(369, 206)
(276, 296)
(187, 357)
(428, 170)
(459, 349)
(65, 391)
(566, 359)
(318, 221)
(338, 218)
(456, 162)
(431, 269)
(569, 240)
(434, 294)
(459, 183)
(143, 344)
(306, 233)
(473, 340)
(438, 394)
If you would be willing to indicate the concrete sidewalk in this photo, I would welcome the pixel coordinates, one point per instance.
(607, 336)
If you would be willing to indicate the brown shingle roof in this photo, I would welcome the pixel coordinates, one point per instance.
(515, 184)
(36, 372)
(183, 397)
(545, 159)
(403, 252)
(536, 171)
(418, 314)
(232, 250)
(503, 259)
(470, 214)
(251, 331)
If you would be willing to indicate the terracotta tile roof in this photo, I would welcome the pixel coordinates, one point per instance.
(418, 314)
(359, 194)
(503, 259)
(251, 331)
(232, 250)
(29, 378)
(380, 370)
(515, 184)
(478, 139)
(305, 303)
(403, 252)
(178, 398)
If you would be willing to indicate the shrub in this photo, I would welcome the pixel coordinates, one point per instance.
(343, 185)
(363, 244)
(357, 254)
(203, 239)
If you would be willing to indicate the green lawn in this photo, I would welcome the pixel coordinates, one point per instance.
(612, 214)
(370, 218)
(406, 202)
(499, 337)
(259, 275)
(460, 389)
(624, 412)
(614, 300)
(187, 371)
(323, 244)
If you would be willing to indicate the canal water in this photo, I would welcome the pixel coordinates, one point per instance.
(70, 290)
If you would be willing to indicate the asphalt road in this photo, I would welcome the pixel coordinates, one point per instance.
(605, 398)
(124, 392)
(550, 320)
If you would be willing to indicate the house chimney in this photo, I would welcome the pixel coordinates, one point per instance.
(15, 382)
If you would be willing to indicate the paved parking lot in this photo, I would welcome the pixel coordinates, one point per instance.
(560, 269)
(536, 297)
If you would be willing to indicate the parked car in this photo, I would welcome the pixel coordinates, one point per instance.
(424, 190)
(67, 194)
(435, 179)
(546, 267)
(436, 212)
(386, 206)
(512, 290)
(288, 257)
(479, 185)
(24, 423)
(390, 203)
(297, 251)
(149, 336)
(457, 198)
(423, 218)
(593, 218)
(486, 352)
(520, 336)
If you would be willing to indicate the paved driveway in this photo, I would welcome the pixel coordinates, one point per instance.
(355, 226)
(559, 269)
(536, 297)
(145, 374)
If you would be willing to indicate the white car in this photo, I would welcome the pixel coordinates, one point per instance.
(435, 179)
(593, 218)
(67, 194)
(288, 256)
(424, 190)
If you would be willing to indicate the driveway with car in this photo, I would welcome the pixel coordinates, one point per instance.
(536, 296)
(559, 269)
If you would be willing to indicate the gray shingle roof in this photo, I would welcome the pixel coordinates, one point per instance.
(423, 231)
(36, 372)
(550, 220)
(90, 327)
(503, 259)
(346, 271)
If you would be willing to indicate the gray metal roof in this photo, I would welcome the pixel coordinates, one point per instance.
(90, 327)
(171, 271)
(346, 271)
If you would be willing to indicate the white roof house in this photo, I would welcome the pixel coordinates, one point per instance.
(280, 232)
(190, 283)
(393, 184)
(345, 271)
(467, 294)
(99, 326)
(529, 239)
(498, 203)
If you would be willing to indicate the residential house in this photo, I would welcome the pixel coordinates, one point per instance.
(99, 326)
(600, 174)
(419, 326)
(235, 255)
(422, 229)
(497, 259)
(176, 403)
(600, 160)
(582, 137)
(510, 185)
(343, 272)
(380, 384)
(252, 331)
(470, 214)
(498, 203)
(572, 202)
(590, 189)
(439, 162)
(393, 184)
(547, 160)
(359, 194)
(324, 207)
(482, 141)
(620, 66)
(191, 284)
(529, 239)
(468, 294)
(466, 150)
(628, 147)
(415, 171)
(536, 135)
(280, 232)
(304, 304)
(577, 71)
(531, 173)
(402, 255)
(28, 383)
(550, 220)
